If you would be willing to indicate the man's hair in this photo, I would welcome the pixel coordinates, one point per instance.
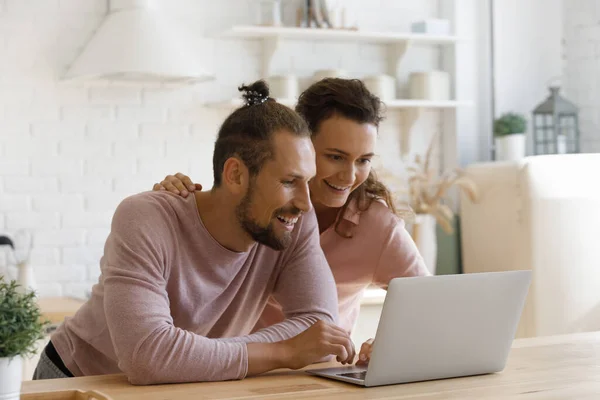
(247, 132)
(348, 98)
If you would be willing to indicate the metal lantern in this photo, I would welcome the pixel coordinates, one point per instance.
(555, 125)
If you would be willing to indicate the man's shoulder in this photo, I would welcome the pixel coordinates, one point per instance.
(147, 206)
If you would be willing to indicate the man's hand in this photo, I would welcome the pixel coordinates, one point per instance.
(365, 353)
(179, 184)
(314, 344)
(317, 342)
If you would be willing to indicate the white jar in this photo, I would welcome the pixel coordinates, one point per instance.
(283, 86)
(382, 86)
(430, 85)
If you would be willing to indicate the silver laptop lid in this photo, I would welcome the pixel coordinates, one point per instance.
(447, 326)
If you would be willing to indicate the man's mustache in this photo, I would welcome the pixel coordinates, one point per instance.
(296, 212)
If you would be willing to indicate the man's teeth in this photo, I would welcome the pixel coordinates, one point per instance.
(336, 187)
(290, 221)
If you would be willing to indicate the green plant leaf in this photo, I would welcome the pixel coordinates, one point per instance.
(21, 324)
(509, 124)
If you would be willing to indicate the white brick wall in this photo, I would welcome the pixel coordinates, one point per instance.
(14, 166)
(581, 74)
(59, 237)
(69, 153)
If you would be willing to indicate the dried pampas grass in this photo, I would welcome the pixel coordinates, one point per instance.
(428, 192)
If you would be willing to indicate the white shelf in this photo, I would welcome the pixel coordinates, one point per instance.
(397, 42)
(392, 104)
(262, 32)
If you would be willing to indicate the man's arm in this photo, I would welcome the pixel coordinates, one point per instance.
(150, 349)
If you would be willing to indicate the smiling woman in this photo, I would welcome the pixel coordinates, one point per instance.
(344, 150)
(343, 116)
(362, 235)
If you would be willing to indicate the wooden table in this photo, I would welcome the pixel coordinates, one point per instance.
(559, 367)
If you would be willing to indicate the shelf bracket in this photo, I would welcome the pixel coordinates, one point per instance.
(396, 52)
(270, 47)
(409, 118)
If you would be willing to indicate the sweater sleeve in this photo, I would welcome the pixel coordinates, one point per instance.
(399, 256)
(149, 348)
(305, 288)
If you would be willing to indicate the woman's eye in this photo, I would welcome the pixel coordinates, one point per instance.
(364, 160)
(335, 157)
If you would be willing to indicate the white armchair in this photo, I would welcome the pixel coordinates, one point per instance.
(543, 214)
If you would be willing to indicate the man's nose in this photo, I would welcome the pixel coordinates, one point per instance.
(302, 199)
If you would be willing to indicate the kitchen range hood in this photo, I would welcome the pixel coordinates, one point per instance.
(137, 43)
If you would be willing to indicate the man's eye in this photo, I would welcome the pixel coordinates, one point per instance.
(288, 183)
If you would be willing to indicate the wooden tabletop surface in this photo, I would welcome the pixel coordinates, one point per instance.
(559, 367)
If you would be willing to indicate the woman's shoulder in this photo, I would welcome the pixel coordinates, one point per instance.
(378, 214)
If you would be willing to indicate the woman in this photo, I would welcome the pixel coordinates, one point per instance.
(364, 240)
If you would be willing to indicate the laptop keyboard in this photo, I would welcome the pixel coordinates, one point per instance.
(355, 375)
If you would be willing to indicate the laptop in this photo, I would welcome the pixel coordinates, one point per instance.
(440, 327)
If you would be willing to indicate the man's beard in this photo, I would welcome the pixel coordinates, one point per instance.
(264, 235)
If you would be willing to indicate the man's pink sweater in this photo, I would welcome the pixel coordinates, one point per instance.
(173, 305)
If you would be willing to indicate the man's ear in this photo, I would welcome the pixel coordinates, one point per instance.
(235, 175)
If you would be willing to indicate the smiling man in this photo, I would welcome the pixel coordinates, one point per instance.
(184, 281)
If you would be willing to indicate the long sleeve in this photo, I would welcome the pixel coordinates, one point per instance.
(305, 289)
(399, 256)
(149, 348)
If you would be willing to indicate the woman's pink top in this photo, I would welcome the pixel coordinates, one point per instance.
(380, 249)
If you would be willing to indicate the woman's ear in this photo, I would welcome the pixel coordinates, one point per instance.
(235, 175)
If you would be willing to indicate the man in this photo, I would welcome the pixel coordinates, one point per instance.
(183, 279)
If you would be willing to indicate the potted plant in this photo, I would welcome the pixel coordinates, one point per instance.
(509, 135)
(21, 327)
